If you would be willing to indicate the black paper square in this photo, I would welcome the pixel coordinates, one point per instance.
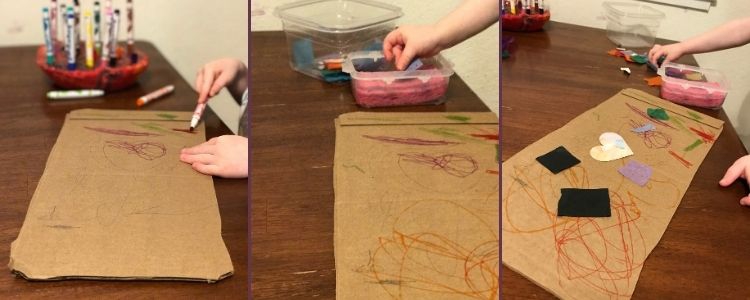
(584, 203)
(558, 160)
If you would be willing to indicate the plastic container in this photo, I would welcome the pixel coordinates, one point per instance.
(377, 83)
(525, 22)
(694, 86)
(320, 31)
(632, 25)
(122, 76)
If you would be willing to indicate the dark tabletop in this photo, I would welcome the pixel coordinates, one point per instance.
(292, 148)
(29, 125)
(555, 75)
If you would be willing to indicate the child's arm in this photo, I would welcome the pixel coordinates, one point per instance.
(740, 169)
(213, 76)
(408, 42)
(730, 35)
(224, 156)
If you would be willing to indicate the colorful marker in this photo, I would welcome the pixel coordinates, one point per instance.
(536, 6)
(197, 116)
(53, 21)
(63, 26)
(48, 37)
(154, 95)
(541, 8)
(104, 55)
(133, 56)
(89, 39)
(115, 30)
(513, 9)
(528, 7)
(74, 94)
(97, 25)
(77, 12)
(71, 44)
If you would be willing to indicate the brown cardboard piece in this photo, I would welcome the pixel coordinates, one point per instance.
(416, 209)
(601, 258)
(115, 202)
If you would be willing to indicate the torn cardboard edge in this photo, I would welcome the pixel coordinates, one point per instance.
(671, 107)
(129, 115)
(422, 118)
(132, 278)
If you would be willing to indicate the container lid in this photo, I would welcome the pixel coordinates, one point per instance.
(338, 16)
(441, 67)
(690, 76)
(632, 10)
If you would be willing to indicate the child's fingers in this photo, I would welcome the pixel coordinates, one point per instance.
(405, 58)
(204, 148)
(200, 158)
(391, 40)
(745, 201)
(220, 83)
(208, 79)
(206, 169)
(397, 51)
(732, 173)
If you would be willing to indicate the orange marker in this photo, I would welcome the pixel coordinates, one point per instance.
(154, 95)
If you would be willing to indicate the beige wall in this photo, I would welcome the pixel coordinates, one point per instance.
(188, 33)
(681, 24)
(476, 60)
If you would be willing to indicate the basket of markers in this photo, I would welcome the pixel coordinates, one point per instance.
(86, 55)
(523, 15)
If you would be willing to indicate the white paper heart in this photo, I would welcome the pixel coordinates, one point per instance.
(613, 147)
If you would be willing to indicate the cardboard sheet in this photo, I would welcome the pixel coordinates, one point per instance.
(115, 202)
(416, 209)
(601, 258)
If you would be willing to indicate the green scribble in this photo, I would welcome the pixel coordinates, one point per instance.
(450, 133)
(676, 121)
(154, 127)
(167, 116)
(519, 181)
(694, 115)
(497, 153)
(458, 118)
(355, 167)
(692, 146)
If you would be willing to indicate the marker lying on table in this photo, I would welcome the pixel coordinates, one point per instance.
(154, 95)
(197, 116)
(74, 94)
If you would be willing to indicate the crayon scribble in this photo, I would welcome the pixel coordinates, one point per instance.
(410, 141)
(456, 164)
(167, 116)
(692, 146)
(185, 130)
(491, 137)
(682, 160)
(707, 136)
(644, 115)
(458, 118)
(144, 150)
(120, 131)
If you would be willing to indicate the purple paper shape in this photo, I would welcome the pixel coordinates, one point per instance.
(644, 128)
(416, 64)
(636, 172)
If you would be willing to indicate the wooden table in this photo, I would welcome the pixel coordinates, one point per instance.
(29, 125)
(555, 75)
(292, 148)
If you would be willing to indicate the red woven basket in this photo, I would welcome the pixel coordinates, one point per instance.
(524, 22)
(123, 75)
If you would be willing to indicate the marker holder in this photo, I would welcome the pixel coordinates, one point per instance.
(525, 22)
(103, 77)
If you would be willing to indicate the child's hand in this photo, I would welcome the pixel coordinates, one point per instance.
(215, 75)
(408, 42)
(740, 169)
(224, 156)
(670, 52)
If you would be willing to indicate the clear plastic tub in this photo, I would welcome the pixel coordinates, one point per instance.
(320, 32)
(377, 83)
(632, 25)
(693, 85)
